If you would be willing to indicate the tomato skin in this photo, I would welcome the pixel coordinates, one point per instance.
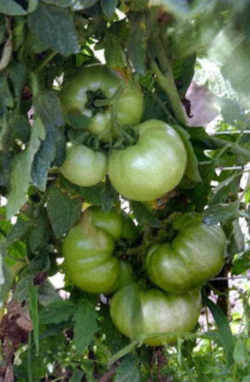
(145, 314)
(150, 168)
(195, 256)
(88, 252)
(128, 104)
(83, 166)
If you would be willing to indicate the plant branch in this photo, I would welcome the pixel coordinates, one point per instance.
(165, 78)
(46, 61)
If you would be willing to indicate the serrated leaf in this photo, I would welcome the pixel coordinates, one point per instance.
(57, 312)
(224, 331)
(63, 211)
(221, 213)
(85, 325)
(54, 26)
(109, 7)
(127, 371)
(137, 43)
(20, 178)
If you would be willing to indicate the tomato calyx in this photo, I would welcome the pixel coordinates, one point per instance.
(97, 102)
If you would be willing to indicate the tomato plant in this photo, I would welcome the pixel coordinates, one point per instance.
(101, 95)
(152, 167)
(195, 256)
(83, 166)
(88, 252)
(152, 316)
(104, 108)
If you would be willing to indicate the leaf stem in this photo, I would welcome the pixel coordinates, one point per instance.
(46, 61)
(165, 78)
(124, 351)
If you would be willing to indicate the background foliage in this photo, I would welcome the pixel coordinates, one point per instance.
(44, 335)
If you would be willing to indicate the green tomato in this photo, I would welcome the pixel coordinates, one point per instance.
(152, 167)
(84, 166)
(125, 100)
(88, 252)
(153, 317)
(195, 256)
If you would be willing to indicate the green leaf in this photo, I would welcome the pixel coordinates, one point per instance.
(48, 294)
(114, 54)
(192, 169)
(63, 211)
(143, 215)
(47, 105)
(6, 278)
(10, 7)
(57, 312)
(109, 7)
(39, 235)
(221, 213)
(77, 376)
(239, 239)
(21, 172)
(127, 371)
(54, 26)
(18, 230)
(33, 308)
(137, 43)
(228, 186)
(240, 353)
(224, 331)
(85, 325)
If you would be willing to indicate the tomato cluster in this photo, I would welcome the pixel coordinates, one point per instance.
(88, 251)
(144, 171)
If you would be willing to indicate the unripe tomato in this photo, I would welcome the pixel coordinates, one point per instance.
(88, 252)
(81, 93)
(153, 317)
(195, 256)
(84, 166)
(152, 167)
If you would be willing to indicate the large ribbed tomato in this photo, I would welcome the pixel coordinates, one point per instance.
(88, 252)
(195, 256)
(153, 317)
(100, 95)
(152, 167)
